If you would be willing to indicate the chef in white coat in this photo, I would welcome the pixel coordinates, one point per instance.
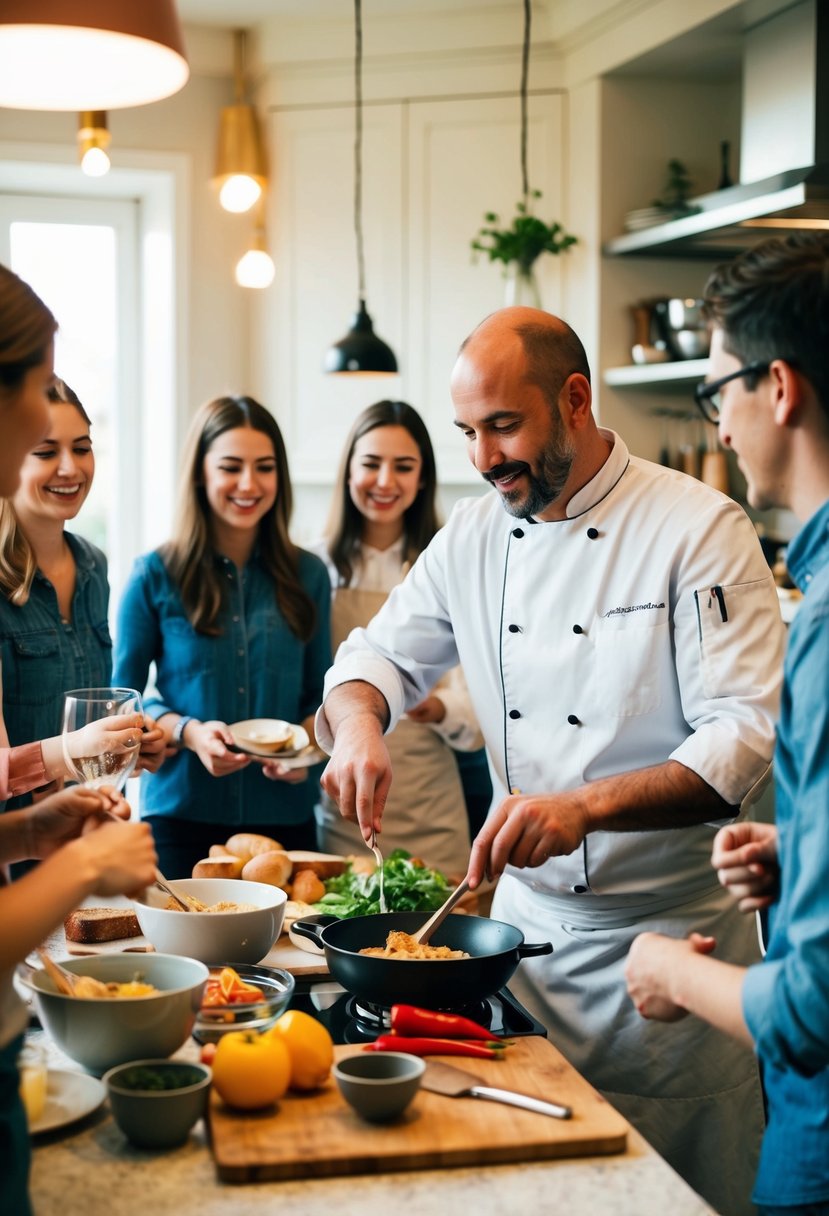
(621, 638)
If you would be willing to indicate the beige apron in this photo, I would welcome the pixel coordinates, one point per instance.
(425, 813)
(698, 1101)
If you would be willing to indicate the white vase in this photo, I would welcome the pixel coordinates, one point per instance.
(521, 287)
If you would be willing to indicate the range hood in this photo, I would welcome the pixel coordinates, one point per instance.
(790, 55)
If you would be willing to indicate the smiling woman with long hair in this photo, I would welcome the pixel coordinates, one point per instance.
(383, 514)
(235, 618)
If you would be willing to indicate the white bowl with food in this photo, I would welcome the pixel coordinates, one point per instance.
(129, 1024)
(269, 737)
(242, 920)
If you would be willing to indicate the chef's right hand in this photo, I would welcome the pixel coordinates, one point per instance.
(745, 858)
(115, 858)
(358, 775)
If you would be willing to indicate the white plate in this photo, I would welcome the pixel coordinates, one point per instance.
(69, 1096)
(237, 729)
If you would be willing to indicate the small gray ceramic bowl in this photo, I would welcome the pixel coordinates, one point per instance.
(156, 1102)
(379, 1085)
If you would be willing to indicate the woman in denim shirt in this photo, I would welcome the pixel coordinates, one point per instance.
(54, 633)
(236, 620)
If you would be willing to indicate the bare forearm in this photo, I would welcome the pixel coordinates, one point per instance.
(712, 990)
(665, 795)
(31, 907)
(355, 699)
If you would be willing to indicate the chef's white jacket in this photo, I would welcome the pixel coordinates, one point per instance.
(643, 627)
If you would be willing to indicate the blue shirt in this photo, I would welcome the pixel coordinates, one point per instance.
(44, 656)
(786, 997)
(256, 668)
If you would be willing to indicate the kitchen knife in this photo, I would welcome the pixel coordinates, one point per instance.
(457, 1083)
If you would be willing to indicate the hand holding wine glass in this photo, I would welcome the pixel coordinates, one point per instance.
(102, 734)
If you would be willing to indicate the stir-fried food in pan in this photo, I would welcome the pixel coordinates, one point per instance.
(403, 946)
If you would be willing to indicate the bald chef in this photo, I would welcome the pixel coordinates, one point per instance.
(621, 637)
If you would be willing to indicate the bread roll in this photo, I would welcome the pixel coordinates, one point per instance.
(307, 887)
(273, 867)
(248, 844)
(224, 866)
(220, 850)
(324, 865)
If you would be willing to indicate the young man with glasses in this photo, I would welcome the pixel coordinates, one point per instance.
(769, 395)
(621, 637)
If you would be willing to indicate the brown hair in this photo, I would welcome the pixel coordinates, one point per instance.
(18, 564)
(26, 329)
(420, 522)
(189, 555)
(772, 302)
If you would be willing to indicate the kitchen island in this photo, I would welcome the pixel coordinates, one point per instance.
(91, 1168)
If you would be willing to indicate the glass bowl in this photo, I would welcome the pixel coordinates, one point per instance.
(277, 989)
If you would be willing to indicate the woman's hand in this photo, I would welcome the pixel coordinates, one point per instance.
(121, 732)
(153, 747)
(745, 858)
(71, 813)
(116, 858)
(211, 742)
(276, 770)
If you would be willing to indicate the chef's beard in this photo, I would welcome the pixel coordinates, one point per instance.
(545, 485)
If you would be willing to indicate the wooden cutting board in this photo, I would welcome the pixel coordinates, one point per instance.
(319, 1135)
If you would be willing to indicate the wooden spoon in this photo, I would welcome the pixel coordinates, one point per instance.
(437, 918)
(67, 982)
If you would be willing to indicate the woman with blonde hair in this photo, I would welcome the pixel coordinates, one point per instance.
(235, 618)
(383, 514)
(115, 858)
(54, 593)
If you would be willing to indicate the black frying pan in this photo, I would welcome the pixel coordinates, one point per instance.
(496, 949)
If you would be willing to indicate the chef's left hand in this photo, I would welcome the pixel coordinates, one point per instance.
(653, 965)
(526, 830)
(428, 711)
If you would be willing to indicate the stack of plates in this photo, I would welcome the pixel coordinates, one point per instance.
(644, 217)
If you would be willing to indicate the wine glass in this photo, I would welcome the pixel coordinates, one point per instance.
(84, 705)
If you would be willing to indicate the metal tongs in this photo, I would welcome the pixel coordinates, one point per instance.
(378, 857)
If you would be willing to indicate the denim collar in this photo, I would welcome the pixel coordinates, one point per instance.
(809, 551)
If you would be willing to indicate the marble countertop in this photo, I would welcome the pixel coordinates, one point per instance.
(90, 1167)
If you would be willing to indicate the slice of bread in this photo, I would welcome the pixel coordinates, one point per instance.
(101, 925)
(324, 865)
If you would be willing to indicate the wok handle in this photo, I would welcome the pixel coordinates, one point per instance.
(529, 951)
(312, 928)
(511, 1098)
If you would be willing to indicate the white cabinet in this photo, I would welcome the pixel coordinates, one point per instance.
(430, 171)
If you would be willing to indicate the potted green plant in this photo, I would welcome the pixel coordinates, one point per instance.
(519, 246)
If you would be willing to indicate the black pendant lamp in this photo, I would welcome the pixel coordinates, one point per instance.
(360, 352)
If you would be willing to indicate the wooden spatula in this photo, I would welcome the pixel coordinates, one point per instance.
(453, 1082)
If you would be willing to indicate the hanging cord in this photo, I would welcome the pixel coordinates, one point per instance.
(525, 71)
(239, 65)
(358, 147)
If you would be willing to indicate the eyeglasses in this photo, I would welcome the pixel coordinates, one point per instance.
(708, 395)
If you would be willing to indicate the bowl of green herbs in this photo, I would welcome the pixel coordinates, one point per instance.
(156, 1102)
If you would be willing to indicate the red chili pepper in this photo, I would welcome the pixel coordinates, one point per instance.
(438, 1047)
(409, 1019)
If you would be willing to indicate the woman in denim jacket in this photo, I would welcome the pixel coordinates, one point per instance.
(236, 620)
(54, 593)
